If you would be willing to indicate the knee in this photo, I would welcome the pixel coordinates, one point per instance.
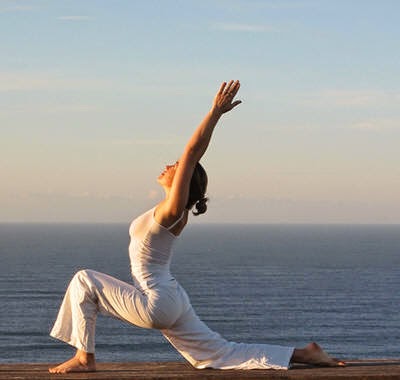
(83, 276)
(82, 284)
(83, 273)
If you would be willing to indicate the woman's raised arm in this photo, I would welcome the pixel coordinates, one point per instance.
(174, 203)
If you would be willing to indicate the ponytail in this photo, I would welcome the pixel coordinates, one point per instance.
(197, 191)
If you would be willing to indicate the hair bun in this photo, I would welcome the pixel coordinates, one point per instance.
(201, 206)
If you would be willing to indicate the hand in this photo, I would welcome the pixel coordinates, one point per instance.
(223, 101)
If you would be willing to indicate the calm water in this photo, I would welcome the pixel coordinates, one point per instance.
(337, 285)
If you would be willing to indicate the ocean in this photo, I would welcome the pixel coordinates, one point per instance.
(338, 285)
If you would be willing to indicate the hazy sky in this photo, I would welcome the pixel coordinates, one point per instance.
(96, 96)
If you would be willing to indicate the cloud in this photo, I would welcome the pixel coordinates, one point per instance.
(244, 28)
(240, 5)
(166, 141)
(68, 207)
(23, 81)
(292, 210)
(280, 4)
(376, 124)
(49, 109)
(351, 98)
(17, 8)
(38, 81)
(73, 18)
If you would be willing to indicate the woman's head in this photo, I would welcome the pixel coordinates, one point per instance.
(197, 191)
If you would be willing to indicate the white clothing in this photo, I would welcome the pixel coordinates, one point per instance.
(155, 300)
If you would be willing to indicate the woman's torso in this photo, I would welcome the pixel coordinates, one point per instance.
(150, 251)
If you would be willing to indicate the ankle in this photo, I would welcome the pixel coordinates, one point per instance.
(85, 358)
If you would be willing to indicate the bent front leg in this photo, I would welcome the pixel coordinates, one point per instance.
(89, 293)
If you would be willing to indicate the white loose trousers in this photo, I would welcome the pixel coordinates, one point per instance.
(166, 308)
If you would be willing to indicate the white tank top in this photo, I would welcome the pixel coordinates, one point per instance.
(150, 251)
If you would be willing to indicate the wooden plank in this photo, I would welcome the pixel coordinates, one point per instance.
(355, 370)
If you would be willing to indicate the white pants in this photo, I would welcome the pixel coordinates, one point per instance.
(167, 309)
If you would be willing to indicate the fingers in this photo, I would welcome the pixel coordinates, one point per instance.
(221, 89)
(236, 87)
(230, 88)
(223, 101)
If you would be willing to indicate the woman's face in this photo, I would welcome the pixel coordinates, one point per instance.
(167, 176)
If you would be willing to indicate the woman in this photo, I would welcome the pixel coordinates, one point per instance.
(156, 300)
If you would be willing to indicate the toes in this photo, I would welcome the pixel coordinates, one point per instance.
(54, 370)
(338, 362)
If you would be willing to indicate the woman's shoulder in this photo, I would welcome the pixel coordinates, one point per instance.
(171, 222)
(167, 217)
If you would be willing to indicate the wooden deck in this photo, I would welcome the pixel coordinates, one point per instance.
(355, 370)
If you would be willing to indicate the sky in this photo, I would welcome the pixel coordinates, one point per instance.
(97, 96)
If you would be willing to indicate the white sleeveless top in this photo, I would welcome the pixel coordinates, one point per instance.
(150, 251)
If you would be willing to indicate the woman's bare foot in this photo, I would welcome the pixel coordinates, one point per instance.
(81, 362)
(313, 354)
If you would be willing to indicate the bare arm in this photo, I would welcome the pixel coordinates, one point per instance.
(222, 103)
(174, 204)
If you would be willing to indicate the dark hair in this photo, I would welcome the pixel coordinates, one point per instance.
(197, 192)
